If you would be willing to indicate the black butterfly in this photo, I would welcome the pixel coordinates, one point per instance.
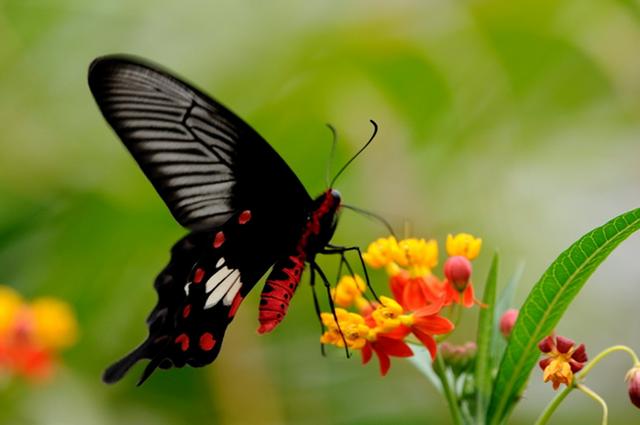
(246, 209)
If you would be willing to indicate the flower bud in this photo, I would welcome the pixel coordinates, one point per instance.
(507, 321)
(457, 270)
(633, 379)
(459, 358)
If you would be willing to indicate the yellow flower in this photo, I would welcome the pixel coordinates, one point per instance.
(348, 291)
(384, 252)
(421, 255)
(55, 325)
(558, 371)
(354, 330)
(387, 315)
(10, 305)
(463, 244)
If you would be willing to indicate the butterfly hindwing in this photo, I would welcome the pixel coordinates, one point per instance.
(200, 290)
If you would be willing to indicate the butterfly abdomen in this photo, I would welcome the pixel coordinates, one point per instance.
(278, 291)
(285, 276)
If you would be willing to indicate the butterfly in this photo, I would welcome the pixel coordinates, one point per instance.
(246, 210)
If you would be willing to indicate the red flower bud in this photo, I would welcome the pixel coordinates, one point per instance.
(457, 270)
(507, 321)
(633, 378)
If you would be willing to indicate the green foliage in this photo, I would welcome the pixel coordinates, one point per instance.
(486, 335)
(546, 304)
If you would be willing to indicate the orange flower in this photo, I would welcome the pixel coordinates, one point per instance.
(563, 360)
(386, 346)
(32, 334)
(414, 293)
(425, 323)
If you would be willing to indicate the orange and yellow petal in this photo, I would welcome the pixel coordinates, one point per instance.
(10, 305)
(348, 290)
(55, 326)
(386, 315)
(464, 244)
(421, 255)
(383, 252)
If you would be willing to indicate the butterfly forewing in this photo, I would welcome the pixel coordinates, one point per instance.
(202, 159)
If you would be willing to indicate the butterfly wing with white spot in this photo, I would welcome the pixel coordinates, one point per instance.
(199, 293)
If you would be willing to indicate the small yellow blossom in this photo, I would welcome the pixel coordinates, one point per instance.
(54, 323)
(387, 315)
(354, 330)
(384, 252)
(10, 305)
(558, 372)
(348, 291)
(421, 255)
(463, 244)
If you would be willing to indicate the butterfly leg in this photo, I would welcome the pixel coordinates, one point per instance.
(345, 262)
(315, 268)
(316, 304)
(331, 249)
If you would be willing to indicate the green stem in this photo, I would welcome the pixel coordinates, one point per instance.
(449, 393)
(588, 391)
(551, 408)
(604, 354)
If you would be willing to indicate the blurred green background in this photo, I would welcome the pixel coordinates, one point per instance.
(516, 121)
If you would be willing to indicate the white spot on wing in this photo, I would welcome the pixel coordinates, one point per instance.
(220, 262)
(224, 286)
(217, 277)
(228, 299)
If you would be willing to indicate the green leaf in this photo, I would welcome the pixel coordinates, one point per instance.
(486, 334)
(546, 304)
(421, 359)
(505, 302)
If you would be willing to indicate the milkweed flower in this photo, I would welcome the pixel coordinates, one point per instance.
(31, 335)
(362, 334)
(463, 244)
(349, 291)
(562, 361)
(384, 252)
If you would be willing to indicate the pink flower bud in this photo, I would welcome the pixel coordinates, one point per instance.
(507, 321)
(633, 378)
(457, 270)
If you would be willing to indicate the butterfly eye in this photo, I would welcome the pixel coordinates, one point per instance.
(335, 195)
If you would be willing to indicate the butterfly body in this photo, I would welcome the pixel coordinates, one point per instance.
(285, 277)
(246, 210)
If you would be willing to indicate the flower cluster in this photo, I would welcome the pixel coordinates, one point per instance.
(381, 326)
(31, 334)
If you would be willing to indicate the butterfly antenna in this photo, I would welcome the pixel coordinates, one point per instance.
(372, 215)
(373, 135)
(334, 141)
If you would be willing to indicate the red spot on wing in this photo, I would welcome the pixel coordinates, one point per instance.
(183, 340)
(207, 341)
(198, 275)
(244, 217)
(235, 304)
(186, 311)
(218, 240)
